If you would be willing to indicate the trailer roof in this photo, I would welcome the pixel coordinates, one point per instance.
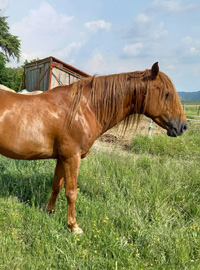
(57, 61)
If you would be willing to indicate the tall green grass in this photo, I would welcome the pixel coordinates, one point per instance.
(184, 147)
(192, 110)
(138, 211)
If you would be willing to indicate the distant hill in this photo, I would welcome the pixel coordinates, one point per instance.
(189, 96)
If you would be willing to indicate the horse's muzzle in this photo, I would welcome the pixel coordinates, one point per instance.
(176, 128)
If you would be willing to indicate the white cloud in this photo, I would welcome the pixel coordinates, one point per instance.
(44, 20)
(132, 49)
(97, 63)
(95, 26)
(69, 50)
(193, 50)
(141, 28)
(66, 53)
(187, 40)
(3, 5)
(161, 32)
(143, 24)
(172, 6)
(190, 46)
(142, 18)
(171, 67)
(31, 55)
(42, 31)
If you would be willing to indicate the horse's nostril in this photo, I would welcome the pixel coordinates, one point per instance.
(184, 127)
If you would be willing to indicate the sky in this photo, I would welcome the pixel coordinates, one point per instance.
(106, 37)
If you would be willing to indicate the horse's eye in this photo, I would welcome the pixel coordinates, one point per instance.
(167, 95)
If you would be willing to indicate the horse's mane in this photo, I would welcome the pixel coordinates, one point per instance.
(106, 94)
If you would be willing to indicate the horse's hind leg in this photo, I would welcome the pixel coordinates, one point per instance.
(56, 186)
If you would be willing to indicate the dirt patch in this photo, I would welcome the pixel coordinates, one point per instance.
(116, 139)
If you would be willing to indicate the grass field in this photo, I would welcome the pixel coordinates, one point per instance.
(192, 108)
(191, 102)
(138, 211)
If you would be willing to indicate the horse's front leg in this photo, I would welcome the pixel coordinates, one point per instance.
(71, 168)
(56, 186)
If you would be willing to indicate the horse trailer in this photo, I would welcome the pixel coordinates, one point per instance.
(50, 72)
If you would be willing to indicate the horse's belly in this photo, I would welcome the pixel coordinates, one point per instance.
(26, 149)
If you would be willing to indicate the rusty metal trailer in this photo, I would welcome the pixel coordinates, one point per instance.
(50, 72)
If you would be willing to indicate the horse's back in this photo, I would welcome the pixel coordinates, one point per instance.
(29, 125)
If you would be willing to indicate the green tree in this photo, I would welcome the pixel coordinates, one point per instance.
(14, 77)
(2, 68)
(9, 47)
(9, 44)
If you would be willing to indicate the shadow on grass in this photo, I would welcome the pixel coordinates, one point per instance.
(29, 181)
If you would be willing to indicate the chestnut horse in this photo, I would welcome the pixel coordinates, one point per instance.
(65, 122)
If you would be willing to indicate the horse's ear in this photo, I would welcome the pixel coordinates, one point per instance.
(155, 70)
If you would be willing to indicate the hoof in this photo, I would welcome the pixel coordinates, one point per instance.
(49, 210)
(76, 230)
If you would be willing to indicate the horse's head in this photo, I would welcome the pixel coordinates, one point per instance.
(163, 104)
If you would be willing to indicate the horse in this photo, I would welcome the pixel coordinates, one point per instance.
(64, 123)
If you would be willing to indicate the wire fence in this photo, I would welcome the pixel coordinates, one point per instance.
(192, 113)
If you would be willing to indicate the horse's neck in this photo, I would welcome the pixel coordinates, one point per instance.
(129, 104)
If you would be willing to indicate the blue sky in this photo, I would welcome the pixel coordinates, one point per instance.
(104, 37)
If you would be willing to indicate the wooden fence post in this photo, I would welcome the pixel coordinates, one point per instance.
(184, 108)
(151, 126)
